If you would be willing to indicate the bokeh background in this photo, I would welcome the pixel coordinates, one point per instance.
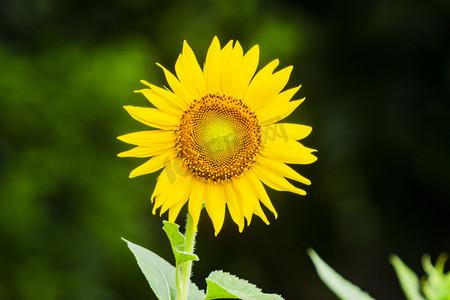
(376, 75)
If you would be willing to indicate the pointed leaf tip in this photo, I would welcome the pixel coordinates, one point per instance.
(158, 272)
(343, 288)
(407, 278)
(178, 241)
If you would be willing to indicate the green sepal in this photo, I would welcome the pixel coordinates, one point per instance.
(407, 278)
(344, 289)
(160, 274)
(178, 241)
(222, 285)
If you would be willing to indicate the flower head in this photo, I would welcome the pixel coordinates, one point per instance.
(217, 136)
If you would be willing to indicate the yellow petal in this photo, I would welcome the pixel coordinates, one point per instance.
(260, 191)
(246, 197)
(196, 201)
(276, 182)
(274, 133)
(234, 206)
(165, 194)
(193, 69)
(286, 96)
(277, 102)
(154, 164)
(248, 68)
(296, 131)
(160, 102)
(177, 87)
(174, 211)
(274, 114)
(149, 137)
(168, 96)
(213, 68)
(171, 180)
(291, 152)
(283, 132)
(260, 77)
(268, 88)
(260, 213)
(232, 68)
(159, 200)
(177, 168)
(189, 72)
(146, 151)
(178, 196)
(282, 169)
(153, 117)
(215, 204)
(251, 197)
(225, 53)
(162, 183)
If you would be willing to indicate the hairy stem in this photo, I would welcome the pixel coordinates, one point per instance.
(183, 278)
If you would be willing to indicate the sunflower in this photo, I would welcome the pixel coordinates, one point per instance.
(217, 137)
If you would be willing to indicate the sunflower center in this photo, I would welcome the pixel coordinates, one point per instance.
(218, 138)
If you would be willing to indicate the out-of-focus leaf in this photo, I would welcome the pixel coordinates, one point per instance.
(407, 278)
(437, 284)
(344, 289)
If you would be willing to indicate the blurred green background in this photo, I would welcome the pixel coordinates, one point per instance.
(376, 75)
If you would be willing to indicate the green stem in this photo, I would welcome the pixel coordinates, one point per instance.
(184, 275)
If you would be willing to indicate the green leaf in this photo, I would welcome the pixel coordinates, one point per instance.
(344, 289)
(160, 274)
(223, 285)
(436, 286)
(407, 278)
(178, 241)
(194, 293)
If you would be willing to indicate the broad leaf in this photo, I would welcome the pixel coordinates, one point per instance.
(160, 274)
(194, 293)
(344, 289)
(407, 278)
(223, 285)
(178, 241)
